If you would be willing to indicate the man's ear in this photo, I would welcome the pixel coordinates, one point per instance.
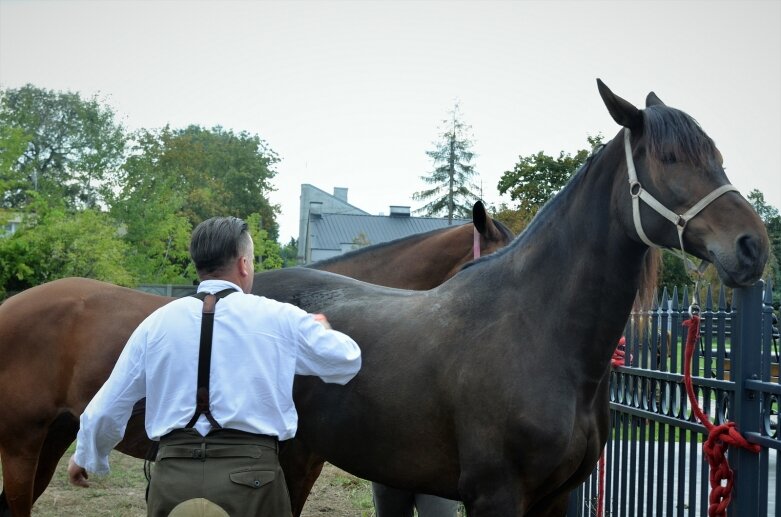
(244, 266)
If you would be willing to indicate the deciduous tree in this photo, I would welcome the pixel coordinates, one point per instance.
(538, 177)
(72, 146)
(57, 243)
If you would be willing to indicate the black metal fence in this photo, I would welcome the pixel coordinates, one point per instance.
(654, 465)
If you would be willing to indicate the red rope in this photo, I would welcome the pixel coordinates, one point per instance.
(619, 354)
(719, 436)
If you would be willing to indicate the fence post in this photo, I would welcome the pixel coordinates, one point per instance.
(745, 354)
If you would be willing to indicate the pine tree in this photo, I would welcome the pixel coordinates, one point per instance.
(452, 191)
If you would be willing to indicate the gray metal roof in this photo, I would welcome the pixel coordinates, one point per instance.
(332, 231)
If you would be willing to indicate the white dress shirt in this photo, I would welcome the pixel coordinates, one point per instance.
(258, 346)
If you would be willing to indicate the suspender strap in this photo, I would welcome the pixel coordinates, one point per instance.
(205, 357)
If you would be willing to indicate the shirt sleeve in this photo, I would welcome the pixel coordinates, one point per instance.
(105, 418)
(328, 354)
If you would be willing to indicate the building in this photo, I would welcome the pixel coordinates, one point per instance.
(329, 225)
(9, 223)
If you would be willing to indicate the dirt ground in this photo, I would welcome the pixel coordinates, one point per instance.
(121, 494)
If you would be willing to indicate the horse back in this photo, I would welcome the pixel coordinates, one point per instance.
(67, 334)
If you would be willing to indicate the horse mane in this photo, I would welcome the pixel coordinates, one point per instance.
(673, 136)
(649, 273)
(411, 239)
(649, 276)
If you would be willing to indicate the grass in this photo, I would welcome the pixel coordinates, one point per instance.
(121, 493)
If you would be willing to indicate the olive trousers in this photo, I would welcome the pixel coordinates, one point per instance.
(238, 471)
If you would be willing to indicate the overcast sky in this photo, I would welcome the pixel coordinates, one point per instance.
(352, 94)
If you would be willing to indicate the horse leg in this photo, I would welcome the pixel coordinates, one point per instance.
(489, 488)
(61, 434)
(20, 462)
(301, 468)
(555, 505)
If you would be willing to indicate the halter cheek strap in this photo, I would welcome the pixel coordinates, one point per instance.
(679, 220)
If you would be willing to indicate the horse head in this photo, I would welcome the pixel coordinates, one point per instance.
(677, 194)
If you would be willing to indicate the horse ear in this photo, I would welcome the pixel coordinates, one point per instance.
(623, 112)
(479, 217)
(653, 100)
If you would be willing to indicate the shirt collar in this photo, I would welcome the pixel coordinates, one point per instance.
(213, 286)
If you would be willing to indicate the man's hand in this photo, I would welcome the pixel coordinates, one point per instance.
(77, 475)
(322, 320)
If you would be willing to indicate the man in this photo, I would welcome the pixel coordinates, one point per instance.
(225, 450)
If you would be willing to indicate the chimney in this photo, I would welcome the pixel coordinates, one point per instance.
(399, 211)
(340, 193)
(316, 209)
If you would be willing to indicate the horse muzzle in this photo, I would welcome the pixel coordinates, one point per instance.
(743, 264)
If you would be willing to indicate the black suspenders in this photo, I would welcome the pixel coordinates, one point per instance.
(205, 356)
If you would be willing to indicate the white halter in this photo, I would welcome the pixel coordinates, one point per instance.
(679, 220)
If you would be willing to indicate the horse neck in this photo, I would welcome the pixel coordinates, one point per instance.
(418, 262)
(578, 253)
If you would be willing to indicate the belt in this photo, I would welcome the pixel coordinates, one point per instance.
(224, 443)
(203, 452)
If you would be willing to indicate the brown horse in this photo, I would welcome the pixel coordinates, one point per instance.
(59, 342)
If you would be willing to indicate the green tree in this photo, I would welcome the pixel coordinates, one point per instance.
(57, 243)
(289, 253)
(174, 179)
(13, 142)
(452, 190)
(72, 147)
(515, 219)
(772, 219)
(673, 272)
(216, 170)
(267, 254)
(537, 178)
(149, 207)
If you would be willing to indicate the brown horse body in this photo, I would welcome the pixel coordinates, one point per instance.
(59, 342)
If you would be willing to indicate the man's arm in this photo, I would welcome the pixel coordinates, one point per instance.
(103, 422)
(327, 353)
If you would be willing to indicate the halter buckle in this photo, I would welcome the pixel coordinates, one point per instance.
(635, 188)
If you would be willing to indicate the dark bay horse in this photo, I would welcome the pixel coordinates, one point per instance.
(59, 341)
(493, 387)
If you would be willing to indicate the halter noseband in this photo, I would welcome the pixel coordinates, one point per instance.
(679, 220)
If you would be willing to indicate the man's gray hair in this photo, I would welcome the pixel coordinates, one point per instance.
(217, 241)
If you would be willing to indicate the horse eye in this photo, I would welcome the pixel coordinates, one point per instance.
(668, 159)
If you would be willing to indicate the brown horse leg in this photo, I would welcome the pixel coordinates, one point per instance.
(302, 468)
(61, 434)
(19, 465)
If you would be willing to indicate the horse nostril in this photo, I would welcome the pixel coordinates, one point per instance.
(749, 248)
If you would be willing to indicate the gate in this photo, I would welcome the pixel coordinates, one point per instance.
(653, 459)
